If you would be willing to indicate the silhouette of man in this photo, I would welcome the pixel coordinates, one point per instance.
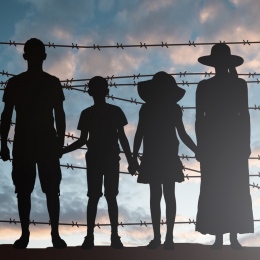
(35, 95)
(102, 125)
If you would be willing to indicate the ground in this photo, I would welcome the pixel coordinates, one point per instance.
(182, 251)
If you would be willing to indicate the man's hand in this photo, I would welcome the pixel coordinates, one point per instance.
(5, 153)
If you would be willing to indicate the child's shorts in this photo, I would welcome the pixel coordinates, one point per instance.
(95, 173)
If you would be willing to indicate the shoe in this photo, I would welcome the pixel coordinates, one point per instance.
(168, 244)
(236, 245)
(88, 242)
(116, 242)
(22, 242)
(153, 244)
(216, 246)
(58, 242)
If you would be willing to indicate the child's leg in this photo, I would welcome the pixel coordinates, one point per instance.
(91, 214)
(155, 199)
(113, 212)
(169, 196)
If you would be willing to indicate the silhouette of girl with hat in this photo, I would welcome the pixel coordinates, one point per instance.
(160, 165)
(223, 139)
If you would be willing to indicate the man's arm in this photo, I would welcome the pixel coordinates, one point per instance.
(6, 118)
(60, 123)
(77, 144)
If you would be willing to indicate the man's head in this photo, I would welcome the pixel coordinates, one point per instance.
(98, 87)
(34, 49)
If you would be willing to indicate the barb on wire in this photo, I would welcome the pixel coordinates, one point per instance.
(254, 185)
(143, 45)
(119, 46)
(75, 224)
(12, 221)
(12, 43)
(208, 74)
(183, 74)
(251, 74)
(96, 47)
(51, 45)
(192, 43)
(165, 44)
(246, 42)
(74, 46)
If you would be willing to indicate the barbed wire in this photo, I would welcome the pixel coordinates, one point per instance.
(141, 45)
(139, 75)
(99, 225)
(183, 156)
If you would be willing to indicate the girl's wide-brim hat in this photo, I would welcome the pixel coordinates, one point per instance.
(221, 55)
(161, 85)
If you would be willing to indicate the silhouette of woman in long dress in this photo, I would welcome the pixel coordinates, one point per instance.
(223, 139)
(159, 118)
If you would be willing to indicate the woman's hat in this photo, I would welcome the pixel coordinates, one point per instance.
(221, 54)
(162, 84)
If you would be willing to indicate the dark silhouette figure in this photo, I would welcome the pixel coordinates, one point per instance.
(35, 95)
(223, 136)
(102, 125)
(160, 164)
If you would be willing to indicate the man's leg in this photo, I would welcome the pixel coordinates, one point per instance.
(50, 177)
(24, 208)
(23, 175)
(53, 205)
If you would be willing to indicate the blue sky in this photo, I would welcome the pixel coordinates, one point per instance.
(107, 22)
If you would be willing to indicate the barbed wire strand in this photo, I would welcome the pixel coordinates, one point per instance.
(99, 225)
(141, 45)
(183, 157)
(139, 75)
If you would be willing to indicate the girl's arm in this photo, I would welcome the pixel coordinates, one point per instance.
(184, 136)
(138, 139)
(77, 144)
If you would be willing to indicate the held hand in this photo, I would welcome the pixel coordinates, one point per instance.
(198, 156)
(5, 153)
(133, 167)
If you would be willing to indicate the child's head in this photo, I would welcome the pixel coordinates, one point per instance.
(161, 88)
(98, 86)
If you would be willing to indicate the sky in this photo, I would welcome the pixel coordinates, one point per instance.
(107, 22)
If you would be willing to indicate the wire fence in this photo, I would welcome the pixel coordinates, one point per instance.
(68, 84)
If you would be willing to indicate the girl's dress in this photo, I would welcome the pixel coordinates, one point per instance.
(160, 162)
(223, 135)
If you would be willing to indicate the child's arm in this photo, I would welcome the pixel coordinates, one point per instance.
(184, 136)
(124, 143)
(137, 140)
(77, 144)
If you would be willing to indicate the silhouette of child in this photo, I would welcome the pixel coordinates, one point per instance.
(102, 125)
(160, 164)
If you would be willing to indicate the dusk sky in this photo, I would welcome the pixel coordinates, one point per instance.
(108, 22)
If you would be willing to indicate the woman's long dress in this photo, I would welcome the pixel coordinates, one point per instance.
(223, 135)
